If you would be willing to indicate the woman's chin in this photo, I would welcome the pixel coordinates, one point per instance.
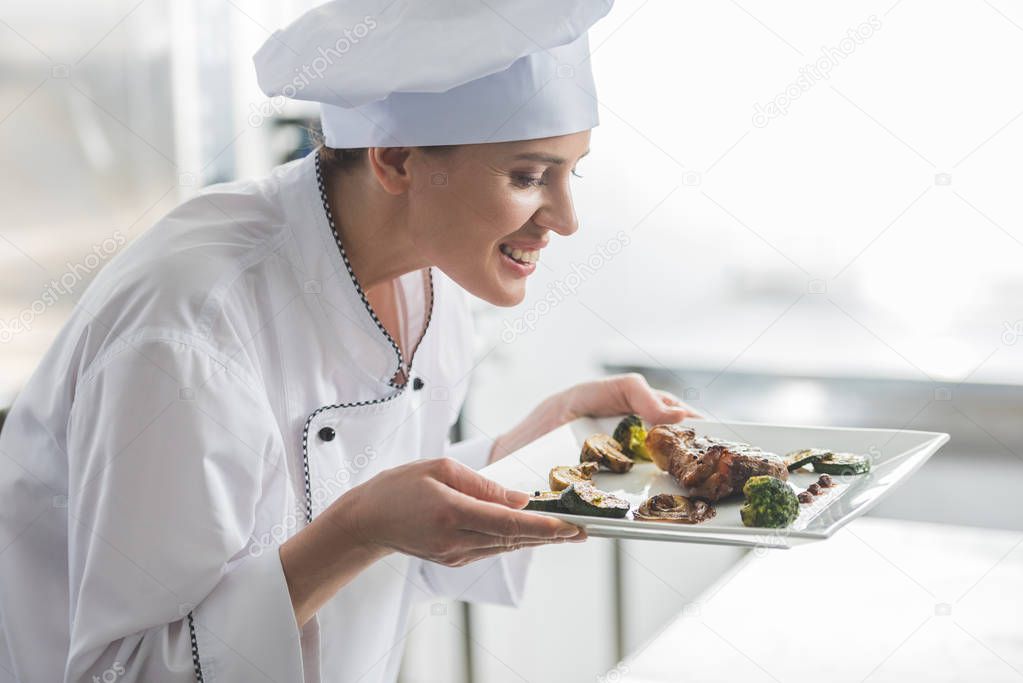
(494, 288)
(503, 292)
(508, 295)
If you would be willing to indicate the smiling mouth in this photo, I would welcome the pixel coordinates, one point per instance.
(523, 256)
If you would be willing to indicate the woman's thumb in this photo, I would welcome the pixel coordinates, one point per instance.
(470, 482)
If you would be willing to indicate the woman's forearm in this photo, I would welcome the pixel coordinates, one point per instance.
(553, 412)
(324, 557)
(614, 395)
(436, 509)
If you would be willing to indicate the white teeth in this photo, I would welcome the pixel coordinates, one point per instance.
(521, 255)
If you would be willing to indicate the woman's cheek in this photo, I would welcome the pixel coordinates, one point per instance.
(514, 208)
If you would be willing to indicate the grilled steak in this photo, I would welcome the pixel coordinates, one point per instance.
(709, 468)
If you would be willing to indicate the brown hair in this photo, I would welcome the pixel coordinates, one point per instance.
(342, 159)
(351, 158)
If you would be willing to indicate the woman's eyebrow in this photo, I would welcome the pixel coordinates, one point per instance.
(544, 158)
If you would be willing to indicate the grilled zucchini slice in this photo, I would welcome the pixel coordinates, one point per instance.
(842, 463)
(586, 499)
(545, 501)
(804, 456)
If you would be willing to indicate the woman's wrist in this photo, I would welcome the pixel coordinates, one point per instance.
(571, 400)
(327, 554)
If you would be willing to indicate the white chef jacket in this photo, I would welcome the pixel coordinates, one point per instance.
(221, 381)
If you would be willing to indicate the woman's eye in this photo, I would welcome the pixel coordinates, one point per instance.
(526, 180)
(576, 173)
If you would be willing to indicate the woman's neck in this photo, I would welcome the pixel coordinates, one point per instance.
(373, 226)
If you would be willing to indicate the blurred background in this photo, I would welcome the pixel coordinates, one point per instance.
(802, 213)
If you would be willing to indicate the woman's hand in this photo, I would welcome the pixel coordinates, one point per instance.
(443, 511)
(624, 394)
(614, 395)
(439, 510)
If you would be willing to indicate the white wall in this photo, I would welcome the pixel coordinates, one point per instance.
(825, 242)
(840, 191)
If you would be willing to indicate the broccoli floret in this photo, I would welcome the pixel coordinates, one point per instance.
(631, 434)
(770, 503)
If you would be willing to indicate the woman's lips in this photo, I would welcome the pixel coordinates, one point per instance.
(519, 254)
(518, 267)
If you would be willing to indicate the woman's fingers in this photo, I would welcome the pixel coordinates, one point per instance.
(671, 400)
(650, 403)
(485, 552)
(476, 541)
(497, 520)
(466, 480)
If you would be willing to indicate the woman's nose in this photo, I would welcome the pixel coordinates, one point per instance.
(559, 214)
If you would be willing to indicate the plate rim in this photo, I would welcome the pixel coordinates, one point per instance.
(783, 426)
(695, 532)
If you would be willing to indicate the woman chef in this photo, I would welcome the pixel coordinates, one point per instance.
(228, 467)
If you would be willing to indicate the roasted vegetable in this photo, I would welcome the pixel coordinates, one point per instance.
(631, 436)
(585, 499)
(796, 459)
(563, 476)
(842, 463)
(665, 507)
(769, 502)
(605, 451)
(545, 501)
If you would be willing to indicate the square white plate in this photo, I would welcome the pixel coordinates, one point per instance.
(894, 454)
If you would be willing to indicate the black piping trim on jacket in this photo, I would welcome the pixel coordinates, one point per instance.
(369, 309)
(305, 442)
(196, 664)
(405, 371)
(426, 325)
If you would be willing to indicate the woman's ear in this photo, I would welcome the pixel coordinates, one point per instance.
(389, 166)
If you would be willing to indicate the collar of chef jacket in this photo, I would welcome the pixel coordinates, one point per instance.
(327, 276)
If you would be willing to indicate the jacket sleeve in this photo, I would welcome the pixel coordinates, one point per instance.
(168, 447)
(473, 452)
(497, 580)
(500, 579)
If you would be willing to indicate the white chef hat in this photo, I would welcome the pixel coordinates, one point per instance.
(438, 72)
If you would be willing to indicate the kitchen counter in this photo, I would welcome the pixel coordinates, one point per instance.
(882, 600)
